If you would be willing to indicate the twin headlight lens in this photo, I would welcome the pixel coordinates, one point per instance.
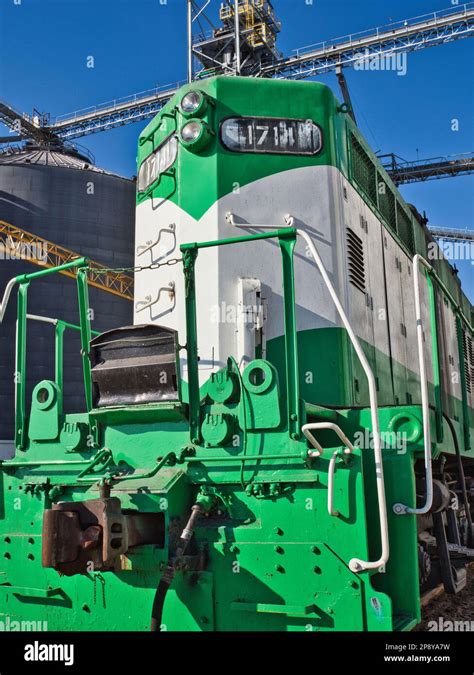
(194, 135)
(193, 103)
(157, 163)
(191, 131)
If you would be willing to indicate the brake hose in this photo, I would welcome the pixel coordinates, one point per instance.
(203, 504)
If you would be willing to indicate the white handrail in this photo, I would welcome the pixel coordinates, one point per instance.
(6, 297)
(306, 429)
(331, 426)
(141, 305)
(44, 319)
(151, 244)
(401, 509)
(356, 564)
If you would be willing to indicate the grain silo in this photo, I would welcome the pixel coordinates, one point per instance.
(63, 197)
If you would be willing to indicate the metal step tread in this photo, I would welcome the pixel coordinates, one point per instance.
(463, 550)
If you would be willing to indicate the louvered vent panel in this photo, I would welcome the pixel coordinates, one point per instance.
(386, 202)
(363, 170)
(470, 343)
(468, 362)
(355, 260)
(405, 228)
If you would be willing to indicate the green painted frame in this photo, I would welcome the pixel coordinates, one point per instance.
(287, 240)
(20, 360)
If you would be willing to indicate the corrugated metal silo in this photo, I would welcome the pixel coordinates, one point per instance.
(61, 196)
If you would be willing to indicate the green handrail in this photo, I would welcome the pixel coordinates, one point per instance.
(287, 239)
(86, 336)
(20, 360)
(78, 262)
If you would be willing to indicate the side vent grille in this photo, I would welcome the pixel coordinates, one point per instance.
(387, 202)
(363, 170)
(470, 343)
(468, 348)
(355, 260)
(405, 228)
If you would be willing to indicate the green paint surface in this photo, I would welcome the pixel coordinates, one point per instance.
(206, 176)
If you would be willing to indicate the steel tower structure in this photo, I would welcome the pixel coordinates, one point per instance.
(230, 47)
(244, 43)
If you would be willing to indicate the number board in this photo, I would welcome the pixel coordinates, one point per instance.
(271, 135)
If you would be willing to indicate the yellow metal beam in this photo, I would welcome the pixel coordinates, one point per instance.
(18, 244)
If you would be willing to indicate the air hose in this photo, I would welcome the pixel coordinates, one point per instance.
(203, 504)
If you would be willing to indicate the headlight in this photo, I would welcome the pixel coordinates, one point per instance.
(191, 132)
(195, 135)
(157, 163)
(193, 103)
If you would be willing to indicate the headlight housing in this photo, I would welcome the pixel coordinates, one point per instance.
(157, 163)
(194, 103)
(195, 135)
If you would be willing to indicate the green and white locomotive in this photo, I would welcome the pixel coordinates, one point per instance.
(283, 440)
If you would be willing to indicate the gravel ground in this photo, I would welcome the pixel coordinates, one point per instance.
(458, 607)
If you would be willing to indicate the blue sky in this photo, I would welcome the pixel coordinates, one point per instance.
(136, 44)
